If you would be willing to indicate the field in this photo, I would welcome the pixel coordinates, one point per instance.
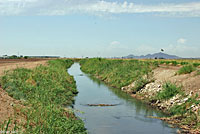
(8, 64)
(172, 86)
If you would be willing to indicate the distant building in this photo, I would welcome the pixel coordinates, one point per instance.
(5, 56)
(44, 56)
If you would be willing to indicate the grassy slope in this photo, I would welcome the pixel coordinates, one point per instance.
(45, 90)
(118, 73)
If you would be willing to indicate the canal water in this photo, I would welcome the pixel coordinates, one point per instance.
(129, 116)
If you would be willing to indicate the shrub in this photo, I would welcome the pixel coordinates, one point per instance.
(167, 62)
(162, 62)
(174, 63)
(196, 64)
(184, 63)
(186, 69)
(169, 91)
(25, 57)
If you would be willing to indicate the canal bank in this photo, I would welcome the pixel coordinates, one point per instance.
(128, 116)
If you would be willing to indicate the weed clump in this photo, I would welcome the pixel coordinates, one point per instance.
(196, 64)
(186, 69)
(169, 90)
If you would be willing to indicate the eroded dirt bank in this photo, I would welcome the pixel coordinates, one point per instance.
(190, 85)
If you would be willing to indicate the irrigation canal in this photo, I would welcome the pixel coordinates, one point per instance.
(129, 116)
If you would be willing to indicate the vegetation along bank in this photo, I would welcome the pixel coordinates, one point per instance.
(42, 95)
(171, 86)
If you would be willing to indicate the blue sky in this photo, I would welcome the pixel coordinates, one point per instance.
(76, 28)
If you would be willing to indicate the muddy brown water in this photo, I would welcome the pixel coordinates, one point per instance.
(129, 116)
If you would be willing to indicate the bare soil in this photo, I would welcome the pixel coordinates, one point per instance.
(189, 82)
(8, 105)
(8, 64)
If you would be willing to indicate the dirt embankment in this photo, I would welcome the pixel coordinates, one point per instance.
(8, 105)
(189, 83)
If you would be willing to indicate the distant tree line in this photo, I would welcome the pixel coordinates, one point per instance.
(13, 57)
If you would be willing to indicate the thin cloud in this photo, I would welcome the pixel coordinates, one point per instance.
(64, 7)
(183, 50)
(181, 41)
(115, 43)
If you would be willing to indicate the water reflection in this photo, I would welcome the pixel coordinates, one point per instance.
(140, 106)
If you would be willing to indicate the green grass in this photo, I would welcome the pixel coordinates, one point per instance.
(117, 73)
(186, 69)
(46, 90)
(169, 90)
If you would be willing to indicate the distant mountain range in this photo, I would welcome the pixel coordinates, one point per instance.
(152, 56)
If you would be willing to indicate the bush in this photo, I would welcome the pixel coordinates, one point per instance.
(184, 63)
(186, 69)
(174, 63)
(169, 91)
(196, 64)
(25, 57)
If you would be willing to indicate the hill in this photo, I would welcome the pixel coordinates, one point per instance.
(152, 56)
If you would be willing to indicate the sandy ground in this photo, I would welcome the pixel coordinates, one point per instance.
(6, 102)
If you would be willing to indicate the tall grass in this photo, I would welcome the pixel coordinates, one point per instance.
(46, 90)
(117, 73)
